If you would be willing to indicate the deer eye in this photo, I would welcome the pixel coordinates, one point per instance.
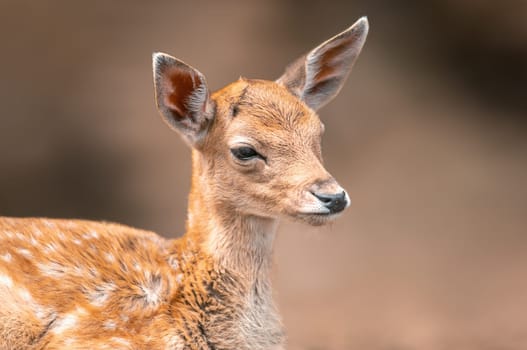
(245, 153)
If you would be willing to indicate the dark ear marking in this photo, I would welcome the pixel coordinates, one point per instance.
(318, 76)
(182, 97)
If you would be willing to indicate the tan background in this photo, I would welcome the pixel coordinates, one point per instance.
(428, 136)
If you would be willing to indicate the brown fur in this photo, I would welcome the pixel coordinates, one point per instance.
(72, 284)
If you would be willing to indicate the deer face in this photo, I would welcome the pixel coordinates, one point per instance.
(265, 143)
(259, 141)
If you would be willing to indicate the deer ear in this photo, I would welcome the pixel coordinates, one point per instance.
(318, 76)
(182, 97)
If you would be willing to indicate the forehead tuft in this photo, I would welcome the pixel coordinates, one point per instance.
(266, 102)
(274, 105)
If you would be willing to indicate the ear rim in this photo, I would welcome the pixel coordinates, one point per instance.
(298, 77)
(198, 100)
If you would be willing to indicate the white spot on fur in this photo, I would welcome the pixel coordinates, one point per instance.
(49, 223)
(109, 257)
(25, 295)
(179, 278)
(152, 290)
(52, 269)
(70, 224)
(67, 322)
(94, 234)
(109, 325)
(173, 262)
(120, 341)
(100, 295)
(37, 232)
(20, 236)
(173, 342)
(77, 241)
(79, 270)
(136, 265)
(25, 252)
(33, 241)
(50, 248)
(42, 313)
(6, 257)
(61, 236)
(6, 281)
(9, 234)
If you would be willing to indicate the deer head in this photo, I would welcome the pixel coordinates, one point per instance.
(257, 143)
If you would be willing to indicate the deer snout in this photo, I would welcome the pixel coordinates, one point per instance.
(334, 202)
(331, 196)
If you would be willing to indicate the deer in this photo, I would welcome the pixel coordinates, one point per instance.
(256, 157)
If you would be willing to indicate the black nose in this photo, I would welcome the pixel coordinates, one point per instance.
(334, 202)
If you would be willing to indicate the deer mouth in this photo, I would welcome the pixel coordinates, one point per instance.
(317, 218)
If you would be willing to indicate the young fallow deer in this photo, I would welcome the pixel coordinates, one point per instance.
(71, 284)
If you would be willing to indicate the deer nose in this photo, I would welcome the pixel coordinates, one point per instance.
(335, 202)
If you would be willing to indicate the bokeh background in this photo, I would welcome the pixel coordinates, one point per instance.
(428, 136)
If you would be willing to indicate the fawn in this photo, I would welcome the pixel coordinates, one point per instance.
(256, 155)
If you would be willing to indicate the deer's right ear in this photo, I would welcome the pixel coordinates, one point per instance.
(182, 97)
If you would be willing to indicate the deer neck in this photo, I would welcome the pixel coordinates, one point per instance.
(238, 242)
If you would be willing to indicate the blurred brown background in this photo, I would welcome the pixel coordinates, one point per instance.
(428, 136)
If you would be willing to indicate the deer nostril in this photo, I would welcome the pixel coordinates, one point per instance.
(324, 198)
(334, 202)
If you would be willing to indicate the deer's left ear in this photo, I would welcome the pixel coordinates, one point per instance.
(182, 97)
(318, 76)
